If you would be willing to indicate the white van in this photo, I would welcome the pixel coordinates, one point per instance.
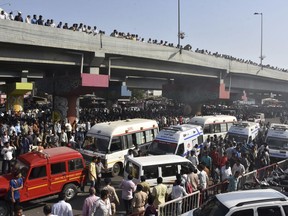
(258, 117)
(154, 166)
(176, 139)
(112, 140)
(214, 124)
(240, 132)
(277, 140)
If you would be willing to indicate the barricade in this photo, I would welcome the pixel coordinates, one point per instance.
(213, 190)
(178, 206)
(247, 178)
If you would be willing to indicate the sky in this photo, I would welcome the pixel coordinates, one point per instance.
(224, 26)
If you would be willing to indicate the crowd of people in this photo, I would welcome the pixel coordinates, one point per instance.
(39, 20)
(217, 160)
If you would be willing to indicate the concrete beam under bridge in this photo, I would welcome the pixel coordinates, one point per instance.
(145, 83)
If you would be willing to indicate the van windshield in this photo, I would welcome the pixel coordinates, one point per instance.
(96, 144)
(238, 138)
(212, 207)
(276, 143)
(160, 148)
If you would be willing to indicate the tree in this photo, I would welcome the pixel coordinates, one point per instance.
(138, 93)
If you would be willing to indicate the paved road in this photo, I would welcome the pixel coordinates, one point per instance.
(35, 208)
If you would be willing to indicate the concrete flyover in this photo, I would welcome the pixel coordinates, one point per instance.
(50, 52)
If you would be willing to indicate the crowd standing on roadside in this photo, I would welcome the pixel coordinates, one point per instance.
(217, 159)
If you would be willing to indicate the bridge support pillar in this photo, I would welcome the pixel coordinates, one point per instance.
(195, 92)
(72, 112)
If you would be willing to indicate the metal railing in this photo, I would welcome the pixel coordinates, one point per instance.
(180, 205)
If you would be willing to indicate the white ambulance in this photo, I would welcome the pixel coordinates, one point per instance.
(214, 124)
(177, 140)
(277, 140)
(241, 131)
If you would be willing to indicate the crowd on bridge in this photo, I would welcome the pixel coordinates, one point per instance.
(81, 27)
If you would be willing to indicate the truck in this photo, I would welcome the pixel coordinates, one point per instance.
(45, 173)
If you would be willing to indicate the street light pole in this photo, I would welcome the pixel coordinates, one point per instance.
(261, 49)
(179, 23)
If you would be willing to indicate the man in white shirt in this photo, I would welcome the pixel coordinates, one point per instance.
(62, 207)
(63, 138)
(178, 192)
(7, 153)
(203, 177)
(3, 15)
(238, 167)
(226, 171)
(102, 206)
(193, 158)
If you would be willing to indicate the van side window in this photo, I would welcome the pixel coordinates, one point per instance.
(129, 141)
(135, 171)
(207, 129)
(268, 211)
(58, 168)
(140, 138)
(149, 135)
(246, 212)
(75, 164)
(38, 172)
(186, 166)
(229, 125)
(115, 144)
(180, 150)
(169, 170)
(223, 127)
(200, 139)
(217, 128)
(151, 172)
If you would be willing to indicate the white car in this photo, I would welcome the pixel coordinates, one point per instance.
(260, 202)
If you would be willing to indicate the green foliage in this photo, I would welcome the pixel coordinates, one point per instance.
(138, 93)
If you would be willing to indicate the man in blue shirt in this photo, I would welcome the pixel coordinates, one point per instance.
(233, 182)
(16, 184)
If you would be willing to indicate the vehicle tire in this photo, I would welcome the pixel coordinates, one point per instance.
(70, 191)
(116, 169)
(4, 208)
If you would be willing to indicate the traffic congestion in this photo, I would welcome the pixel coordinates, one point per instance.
(133, 158)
